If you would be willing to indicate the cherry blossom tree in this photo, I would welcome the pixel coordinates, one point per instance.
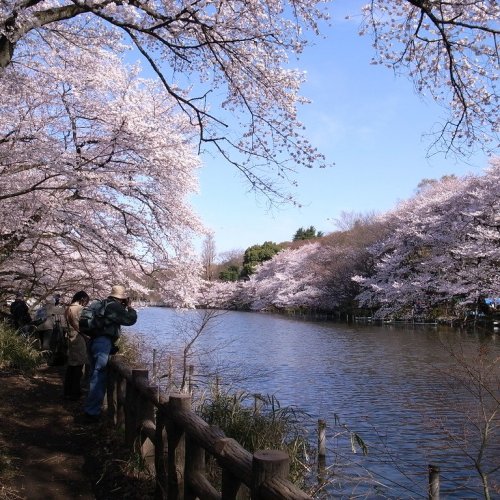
(443, 253)
(95, 166)
(95, 162)
(450, 51)
(221, 295)
(285, 281)
(222, 62)
(282, 282)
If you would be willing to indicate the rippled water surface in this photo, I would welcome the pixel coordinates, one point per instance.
(387, 383)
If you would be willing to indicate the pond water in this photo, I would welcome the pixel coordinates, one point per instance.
(389, 384)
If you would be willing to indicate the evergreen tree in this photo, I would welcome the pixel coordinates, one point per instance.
(257, 254)
(307, 234)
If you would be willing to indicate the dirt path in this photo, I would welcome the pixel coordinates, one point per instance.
(47, 452)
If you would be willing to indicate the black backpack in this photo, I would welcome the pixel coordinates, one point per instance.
(92, 318)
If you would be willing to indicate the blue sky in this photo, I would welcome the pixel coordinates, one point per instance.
(367, 121)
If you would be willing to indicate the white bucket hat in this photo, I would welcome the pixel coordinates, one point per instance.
(118, 292)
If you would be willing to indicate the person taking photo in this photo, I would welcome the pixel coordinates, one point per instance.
(117, 312)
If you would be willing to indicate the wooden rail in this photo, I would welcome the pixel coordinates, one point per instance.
(174, 442)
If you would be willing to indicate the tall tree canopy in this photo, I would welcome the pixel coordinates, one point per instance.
(94, 169)
(95, 162)
(256, 254)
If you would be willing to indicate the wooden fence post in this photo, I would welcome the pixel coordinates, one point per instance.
(121, 392)
(170, 374)
(191, 379)
(233, 488)
(131, 407)
(321, 439)
(130, 418)
(268, 464)
(257, 403)
(145, 419)
(176, 457)
(161, 455)
(196, 480)
(321, 451)
(433, 482)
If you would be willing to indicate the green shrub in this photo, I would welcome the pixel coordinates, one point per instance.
(17, 351)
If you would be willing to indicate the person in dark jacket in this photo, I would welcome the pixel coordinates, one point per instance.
(117, 313)
(20, 312)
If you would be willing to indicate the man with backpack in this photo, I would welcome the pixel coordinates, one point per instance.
(115, 312)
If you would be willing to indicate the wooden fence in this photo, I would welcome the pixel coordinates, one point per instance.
(174, 443)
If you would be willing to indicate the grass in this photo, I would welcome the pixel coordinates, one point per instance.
(18, 352)
(131, 348)
(258, 423)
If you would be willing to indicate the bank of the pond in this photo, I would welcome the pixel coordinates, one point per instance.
(46, 452)
(489, 322)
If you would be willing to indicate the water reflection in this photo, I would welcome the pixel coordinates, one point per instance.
(385, 382)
